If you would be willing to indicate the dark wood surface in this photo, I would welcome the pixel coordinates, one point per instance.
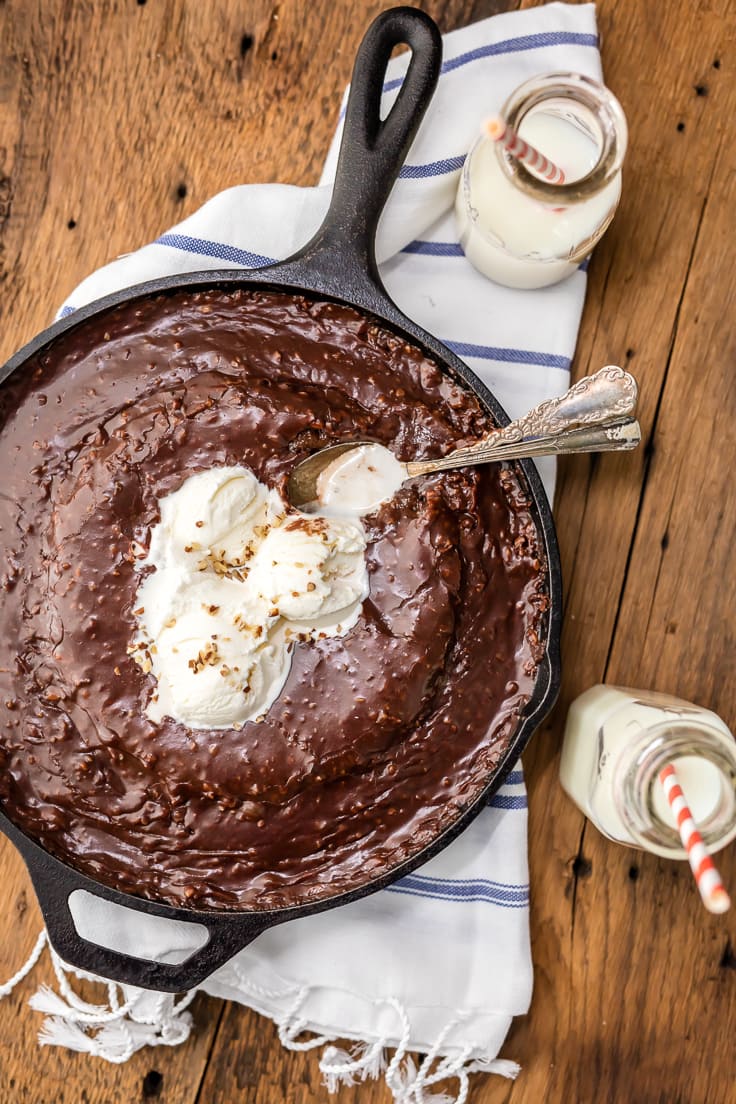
(117, 118)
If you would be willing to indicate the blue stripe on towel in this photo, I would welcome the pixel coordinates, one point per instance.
(510, 356)
(435, 249)
(508, 801)
(454, 249)
(454, 890)
(222, 252)
(510, 46)
(433, 168)
(518, 888)
(484, 898)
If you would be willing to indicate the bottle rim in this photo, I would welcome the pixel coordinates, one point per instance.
(638, 778)
(595, 99)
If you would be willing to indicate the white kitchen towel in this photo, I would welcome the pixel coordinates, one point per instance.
(440, 962)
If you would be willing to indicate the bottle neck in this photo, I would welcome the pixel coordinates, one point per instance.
(706, 758)
(583, 105)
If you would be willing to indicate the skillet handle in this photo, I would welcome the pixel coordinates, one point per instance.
(372, 150)
(54, 882)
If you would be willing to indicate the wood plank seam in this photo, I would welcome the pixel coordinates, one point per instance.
(649, 453)
(208, 1056)
(649, 443)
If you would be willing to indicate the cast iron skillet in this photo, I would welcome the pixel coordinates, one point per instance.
(338, 264)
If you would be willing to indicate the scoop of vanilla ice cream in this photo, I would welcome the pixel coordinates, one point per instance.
(219, 511)
(212, 675)
(227, 573)
(177, 587)
(310, 567)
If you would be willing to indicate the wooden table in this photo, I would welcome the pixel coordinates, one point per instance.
(117, 118)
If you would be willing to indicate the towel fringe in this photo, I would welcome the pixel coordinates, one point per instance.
(409, 1083)
(30, 962)
(115, 1030)
(365, 1062)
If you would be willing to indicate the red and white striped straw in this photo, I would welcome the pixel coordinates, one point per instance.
(707, 878)
(499, 131)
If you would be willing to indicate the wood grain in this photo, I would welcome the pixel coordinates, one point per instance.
(117, 119)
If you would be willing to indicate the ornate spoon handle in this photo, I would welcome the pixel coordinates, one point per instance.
(609, 393)
(618, 435)
(605, 398)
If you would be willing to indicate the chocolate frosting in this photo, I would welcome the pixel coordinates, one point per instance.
(380, 738)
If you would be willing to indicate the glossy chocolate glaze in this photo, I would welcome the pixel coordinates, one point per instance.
(379, 738)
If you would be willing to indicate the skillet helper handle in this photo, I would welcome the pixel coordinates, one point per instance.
(373, 150)
(54, 883)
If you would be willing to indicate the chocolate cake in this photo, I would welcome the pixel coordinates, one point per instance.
(379, 737)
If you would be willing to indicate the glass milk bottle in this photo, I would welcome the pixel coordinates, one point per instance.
(526, 232)
(616, 743)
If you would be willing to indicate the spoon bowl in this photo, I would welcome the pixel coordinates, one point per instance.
(301, 488)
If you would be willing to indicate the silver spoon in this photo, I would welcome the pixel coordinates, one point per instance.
(595, 415)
